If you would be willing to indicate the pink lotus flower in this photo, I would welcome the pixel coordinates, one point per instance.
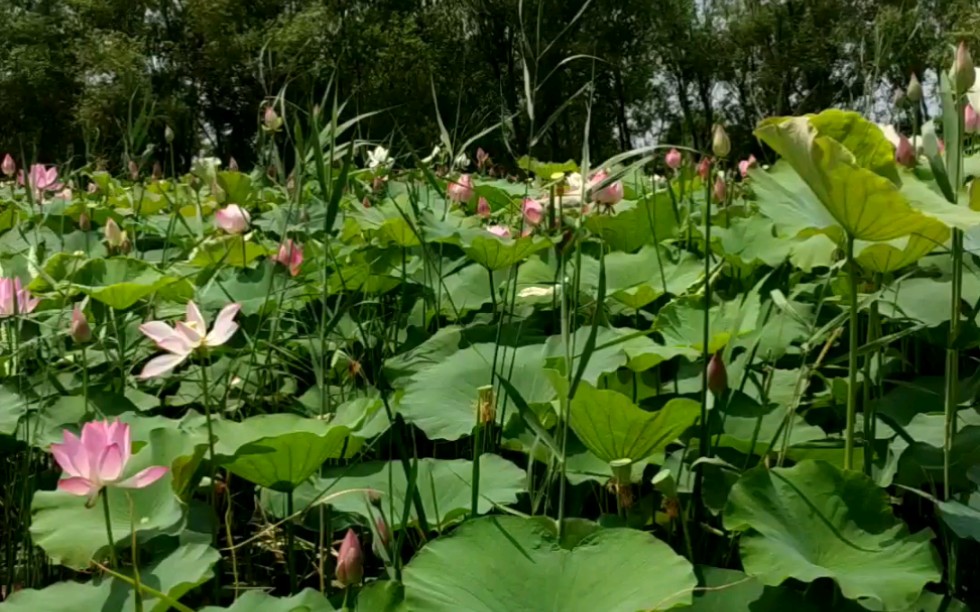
(971, 121)
(904, 153)
(79, 329)
(745, 164)
(483, 208)
(499, 230)
(15, 299)
(673, 159)
(350, 560)
(98, 459)
(187, 337)
(533, 211)
(704, 168)
(460, 190)
(9, 167)
(233, 219)
(610, 194)
(41, 180)
(290, 255)
(720, 189)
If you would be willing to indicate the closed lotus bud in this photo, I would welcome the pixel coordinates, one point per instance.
(721, 146)
(961, 74)
(350, 560)
(384, 532)
(79, 328)
(270, 119)
(904, 154)
(134, 170)
(673, 159)
(914, 90)
(717, 375)
(157, 171)
(114, 236)
(483, 208)
(168, 134)
(84, 222)
(8, 166)
(720, 189)
(232, 164)
(704, 168)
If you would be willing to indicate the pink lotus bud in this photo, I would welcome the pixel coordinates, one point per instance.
(971, 121)
(673, 159)
(533, 211)
(721, 146)
(8, 166)
(84, 222)
(290, 255)
(366, 202)
(350, 560)
(609, 195)
(745, 164)
(499, 230)
(961, 74)
(717, 375)
(720, 189)
(384, 532)
(233, 219)
(482, 158)
(270, 119)
(79, 329)
(483, 208)
(232, 164)
(134, 170)
(904, 153)
(704, 168)
(460, 190)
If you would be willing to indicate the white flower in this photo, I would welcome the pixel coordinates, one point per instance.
(461, 161)
(378, 157)
(536, 292)
(432, 157)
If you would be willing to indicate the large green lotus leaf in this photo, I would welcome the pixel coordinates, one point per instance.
(495, 253)
(613, 570)
(612, 427)
(884, 257)
(465, 290)
(237, 187)
(120, 282)
(64, 597)
(633, 224)
(932, 204)
(441, 399)
(13, 406)
(864, 139)
(307, 600)
(926, 300)
(443, 485)
(752, 240)
(728, 590)
(381, 596)
(234, 251)
(863, 204)
(962, 519)
(636, 279)
(280, 451)
(255, 289)
(815, 521)
(72, 534)
(682, 323)
(785, 198)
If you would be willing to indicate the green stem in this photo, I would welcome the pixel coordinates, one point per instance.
(290, 542)
(137, 592)
(113, 562)
(852, 362)
(952, 361)
(84, 380)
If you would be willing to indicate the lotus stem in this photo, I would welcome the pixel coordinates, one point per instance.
(852, 361)
(113, 561)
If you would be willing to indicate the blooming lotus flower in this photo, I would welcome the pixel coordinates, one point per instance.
(9, 167)
(114, 236)
(610, 194)
(483, 208)
(41, 179)
(533, 211)
(378, 158)
(186, 337)
(745, 164)
(704, 168)
(350, 560)
(233, 219)
(673, 159)
(499, 230)
(15, 299)
(79, 329)
(290, 255)
(460, 190)
(904, 153)
(98, 459)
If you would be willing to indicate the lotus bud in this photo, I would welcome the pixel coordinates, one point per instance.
(704, 168)
(533, 211)
(717, 375)
(971, 121)
(79, 328)
(8, 166)
(745, 165)
(483, 208)
(168, 134)
(114, 236)
(486, 410)
(384, 532)
(914, 90)
(721, 146)
(157, 171)
(460, 190)
(904, 154)
(720, 189)
(232, 164)
(673, 159)
(961, 73)
(92, 188)
(501, 231)
(482, 158)
(134, 170)
(350, 560)
(270, 119)
(84, 222)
